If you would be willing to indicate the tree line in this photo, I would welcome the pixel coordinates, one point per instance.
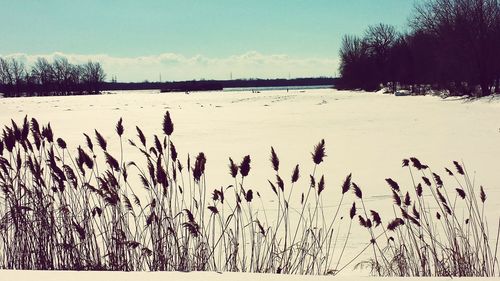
(58, 77)
(451, 44)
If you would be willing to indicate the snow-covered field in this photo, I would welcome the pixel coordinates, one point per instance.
(366, 134)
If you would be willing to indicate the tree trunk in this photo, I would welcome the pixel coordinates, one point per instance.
(485, 90)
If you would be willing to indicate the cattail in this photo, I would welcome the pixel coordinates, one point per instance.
(127, 203)
(245, 166)
(189, 215)
(273, 187)
(9, 139)
(438, 180)
(119, 127)
(111, 161)
(213, 209)
(376, 218)
(18, 160)
(406, 162)
(395, 223)
(362, 221)
(352, 213)
(47, 133)
(347, 183)
(274, 160)
(417, 164)
(448, 171)
(426, 181)
(482, 195)
(152, 151)
(312, 181)
(407, 200)
(70, 175)
(192, 227)
(141, 136)
(233, 168)
(168, 126)
(173, 152)
(16, 131)
(151, 169)
(25, 130)
(179, 166)
(221, 195)
(357, 190)
(158, 145)
(161, 175)
(96, 211)
(35, 127)
(368, 223)
(61, 143)
(199, 166)
(302, 199)
(215, 195)
(261, 228)
(280, 183)
(84, 158)
(441, 197)
(394, 185)
(295, 174)
(249, 195)
(321, 185)
(418, 190)
(460, 192)
(89, 142)
(447, 208)
(319, 152)
(416, 214)
(459, 168)
(438, 215)
(100, 140)
(124, 172)
(397, 199)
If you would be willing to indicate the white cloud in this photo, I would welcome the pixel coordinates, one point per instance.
(173, 66)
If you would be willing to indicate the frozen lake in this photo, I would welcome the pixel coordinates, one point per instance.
(366, 134)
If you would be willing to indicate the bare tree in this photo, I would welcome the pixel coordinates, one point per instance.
(5, 73)
(468, 32)
(93, 75)
(43, 72)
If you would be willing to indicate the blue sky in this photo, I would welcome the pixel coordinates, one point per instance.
(280, 34)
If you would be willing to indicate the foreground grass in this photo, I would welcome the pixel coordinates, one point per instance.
(97, 210)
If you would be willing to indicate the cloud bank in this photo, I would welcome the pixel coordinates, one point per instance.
(174, 67)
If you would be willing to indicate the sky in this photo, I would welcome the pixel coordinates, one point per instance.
(188, 39)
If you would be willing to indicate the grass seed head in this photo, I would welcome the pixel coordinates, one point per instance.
(319, 152)
(168, 125)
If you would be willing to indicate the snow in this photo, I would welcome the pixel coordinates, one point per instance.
(366, 134)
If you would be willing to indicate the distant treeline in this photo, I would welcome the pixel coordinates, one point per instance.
(60, 77)
(202, 85)
(451, 44)
(49, 78)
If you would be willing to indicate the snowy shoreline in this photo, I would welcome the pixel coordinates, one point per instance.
(366, 134)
